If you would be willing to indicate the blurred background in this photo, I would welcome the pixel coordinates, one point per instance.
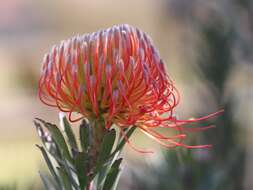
(207, 46)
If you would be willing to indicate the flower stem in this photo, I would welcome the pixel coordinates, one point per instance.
(88, 186)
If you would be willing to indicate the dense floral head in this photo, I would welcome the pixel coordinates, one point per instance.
(115, 74)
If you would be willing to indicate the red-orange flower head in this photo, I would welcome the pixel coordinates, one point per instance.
(116, 74)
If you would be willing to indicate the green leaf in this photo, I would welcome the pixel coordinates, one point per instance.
(43, 136)
(123, 141)
(39, 130)
(48, 142)
(49, 164)
(64, 178)
(58, 138)
(71, 173)
(85, 138)
(46, 182)
(70, 134)
(81, 167)
(112, 176)
(106, 147)
(100, 178)
(104, 160)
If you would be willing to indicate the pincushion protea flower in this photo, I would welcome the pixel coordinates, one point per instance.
(116, 75)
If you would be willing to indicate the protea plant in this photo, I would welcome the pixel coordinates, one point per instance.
(113, 78)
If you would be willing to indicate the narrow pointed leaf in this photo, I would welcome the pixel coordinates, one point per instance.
(101, 175)
(39, 130)
(46, 182)
(70, 173)
(49, 145)
(65, 180)
(58, 138)
(104, 153)
(112, 175)
(49, 164)
(81, 167)
(85, 138)
(123, 141)
(70, 134)
(107, 145)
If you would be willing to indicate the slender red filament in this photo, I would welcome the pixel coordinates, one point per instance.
(116, 74)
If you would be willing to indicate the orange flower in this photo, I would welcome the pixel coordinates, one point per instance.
(115, 74)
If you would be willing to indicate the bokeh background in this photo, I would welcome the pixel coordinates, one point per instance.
(207, 46)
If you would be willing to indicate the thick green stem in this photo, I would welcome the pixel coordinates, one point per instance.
(98, 132)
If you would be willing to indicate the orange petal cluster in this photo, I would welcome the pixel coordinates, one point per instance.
(115, 74)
